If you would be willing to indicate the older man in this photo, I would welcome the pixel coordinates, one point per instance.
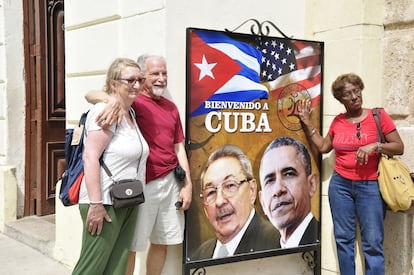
(228, 196)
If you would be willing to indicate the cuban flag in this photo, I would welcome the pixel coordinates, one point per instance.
(223, 69)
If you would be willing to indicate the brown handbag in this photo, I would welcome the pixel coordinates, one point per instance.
(125, 193)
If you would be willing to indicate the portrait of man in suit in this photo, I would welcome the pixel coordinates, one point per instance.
(228, 195)
(287, 187)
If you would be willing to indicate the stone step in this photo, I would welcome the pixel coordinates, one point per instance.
(36, 232)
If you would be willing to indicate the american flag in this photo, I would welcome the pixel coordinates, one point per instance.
(225, 69)
(286, 61)
(278, 57)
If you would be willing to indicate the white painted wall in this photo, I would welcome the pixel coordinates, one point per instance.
(129, 28)
(101, 30)
(12, 95)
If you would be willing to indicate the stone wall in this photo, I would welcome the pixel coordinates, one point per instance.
(398, 51)
(398, 99)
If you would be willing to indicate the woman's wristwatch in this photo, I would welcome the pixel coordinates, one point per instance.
(379, 147)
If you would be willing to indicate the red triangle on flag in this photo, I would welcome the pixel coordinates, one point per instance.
(223, 71)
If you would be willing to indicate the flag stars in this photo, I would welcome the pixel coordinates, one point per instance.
(268, 63)
(279, 71)
(205, 68)
(278, 58)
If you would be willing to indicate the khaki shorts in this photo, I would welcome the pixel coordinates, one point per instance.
(158, 219)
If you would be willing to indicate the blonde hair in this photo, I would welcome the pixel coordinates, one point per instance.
(115, 70)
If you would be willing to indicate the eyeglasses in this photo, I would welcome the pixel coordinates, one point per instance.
(348, 94)
(229, 188)
(358, 130)
(131, 82)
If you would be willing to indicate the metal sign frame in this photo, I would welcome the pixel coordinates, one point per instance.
(213, 120)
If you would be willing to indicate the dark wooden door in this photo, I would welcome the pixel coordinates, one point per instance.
(45, 97)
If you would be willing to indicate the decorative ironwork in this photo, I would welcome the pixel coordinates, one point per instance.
(200, 271)
(309, 258)
(258, 28)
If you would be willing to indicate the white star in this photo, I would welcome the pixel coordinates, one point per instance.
(277, 56)
(205, 68)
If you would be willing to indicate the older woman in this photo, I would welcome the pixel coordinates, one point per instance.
(108, 232)
(353, 191)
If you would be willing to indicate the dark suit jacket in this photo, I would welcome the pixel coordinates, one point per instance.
(260, 235)
(311, 233)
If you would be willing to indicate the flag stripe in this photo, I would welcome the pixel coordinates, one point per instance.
(236, 50)
(235, 53)
(307, 61)
(311, 74)
(243, 85)
(237, 81)
(313, 87)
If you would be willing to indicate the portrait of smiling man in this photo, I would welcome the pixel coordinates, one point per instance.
(228, 195)
(287, 187)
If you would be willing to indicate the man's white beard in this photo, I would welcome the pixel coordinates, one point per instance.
(158, 91)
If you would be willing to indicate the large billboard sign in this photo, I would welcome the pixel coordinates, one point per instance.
(256, 178)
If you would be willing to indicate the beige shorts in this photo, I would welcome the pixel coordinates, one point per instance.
(158, 219)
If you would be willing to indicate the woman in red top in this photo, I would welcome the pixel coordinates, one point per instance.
(353, 190)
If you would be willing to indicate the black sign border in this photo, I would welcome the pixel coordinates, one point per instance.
(310, 253)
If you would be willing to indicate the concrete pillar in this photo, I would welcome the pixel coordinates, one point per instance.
(8, 195)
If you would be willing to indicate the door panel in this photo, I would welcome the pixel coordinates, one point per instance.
(45, 93)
